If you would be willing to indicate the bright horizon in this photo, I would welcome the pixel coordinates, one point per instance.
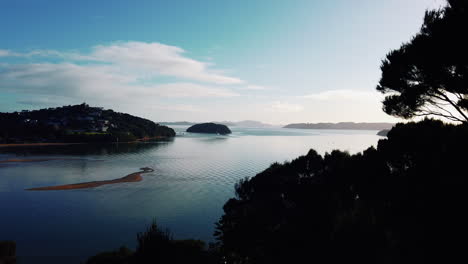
(275, 62)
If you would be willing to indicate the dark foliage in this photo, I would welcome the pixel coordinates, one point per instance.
(210, 128)
(373, 207)
(383, 133)
(121, 256)
(429, 74)
(77, 123)
(157, 246)
(7, 252)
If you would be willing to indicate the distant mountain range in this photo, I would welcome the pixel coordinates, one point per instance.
(244, 123)
(253, 123)
(178, 123)
(342, 125)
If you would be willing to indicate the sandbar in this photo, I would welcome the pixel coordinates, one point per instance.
(133, 177)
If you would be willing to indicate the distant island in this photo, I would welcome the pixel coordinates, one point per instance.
(342, 125)
(210, 128)
(77, 123)
(243, 123)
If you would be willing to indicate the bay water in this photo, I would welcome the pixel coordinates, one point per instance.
(194, 175)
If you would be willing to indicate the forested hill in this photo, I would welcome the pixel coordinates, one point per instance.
(342, 125)
(77, 123)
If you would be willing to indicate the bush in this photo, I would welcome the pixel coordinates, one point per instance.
(7, 252)
(157, 246)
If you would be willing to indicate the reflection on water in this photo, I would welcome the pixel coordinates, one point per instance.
(85, 149)
(193, 176)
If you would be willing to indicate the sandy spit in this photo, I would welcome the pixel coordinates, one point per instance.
(133, 177)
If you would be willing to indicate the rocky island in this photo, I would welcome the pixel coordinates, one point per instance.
(209, 128)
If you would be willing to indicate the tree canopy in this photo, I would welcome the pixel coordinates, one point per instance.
(373, 207)
(156, 245)
(428, 76)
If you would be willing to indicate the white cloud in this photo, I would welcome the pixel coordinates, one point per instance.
(191, 90)
(281, 107)
(146, 59)
(122, 73)
(344, 94)
(255, 87)
(5, 53)
(161, 59)
(62, 79)
(95, 81)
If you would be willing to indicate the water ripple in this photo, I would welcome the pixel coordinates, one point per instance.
(193, 177)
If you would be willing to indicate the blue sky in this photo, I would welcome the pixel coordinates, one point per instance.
(274, 61)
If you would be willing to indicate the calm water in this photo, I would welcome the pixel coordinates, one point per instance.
(194, 176)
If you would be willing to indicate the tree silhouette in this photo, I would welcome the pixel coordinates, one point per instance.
(373, 207)
(156, 245)
(428, 76)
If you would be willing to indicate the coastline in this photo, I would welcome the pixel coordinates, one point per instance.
(37, 144)
(38, 160)
(133, 177)
(25, 160)
(145, 139)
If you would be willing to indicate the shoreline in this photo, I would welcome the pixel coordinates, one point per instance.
(140, 140)
(132, 177)
(37, 144)
(25, 160)
(40, 160)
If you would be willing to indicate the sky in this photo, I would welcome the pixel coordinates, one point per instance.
(269, 60)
